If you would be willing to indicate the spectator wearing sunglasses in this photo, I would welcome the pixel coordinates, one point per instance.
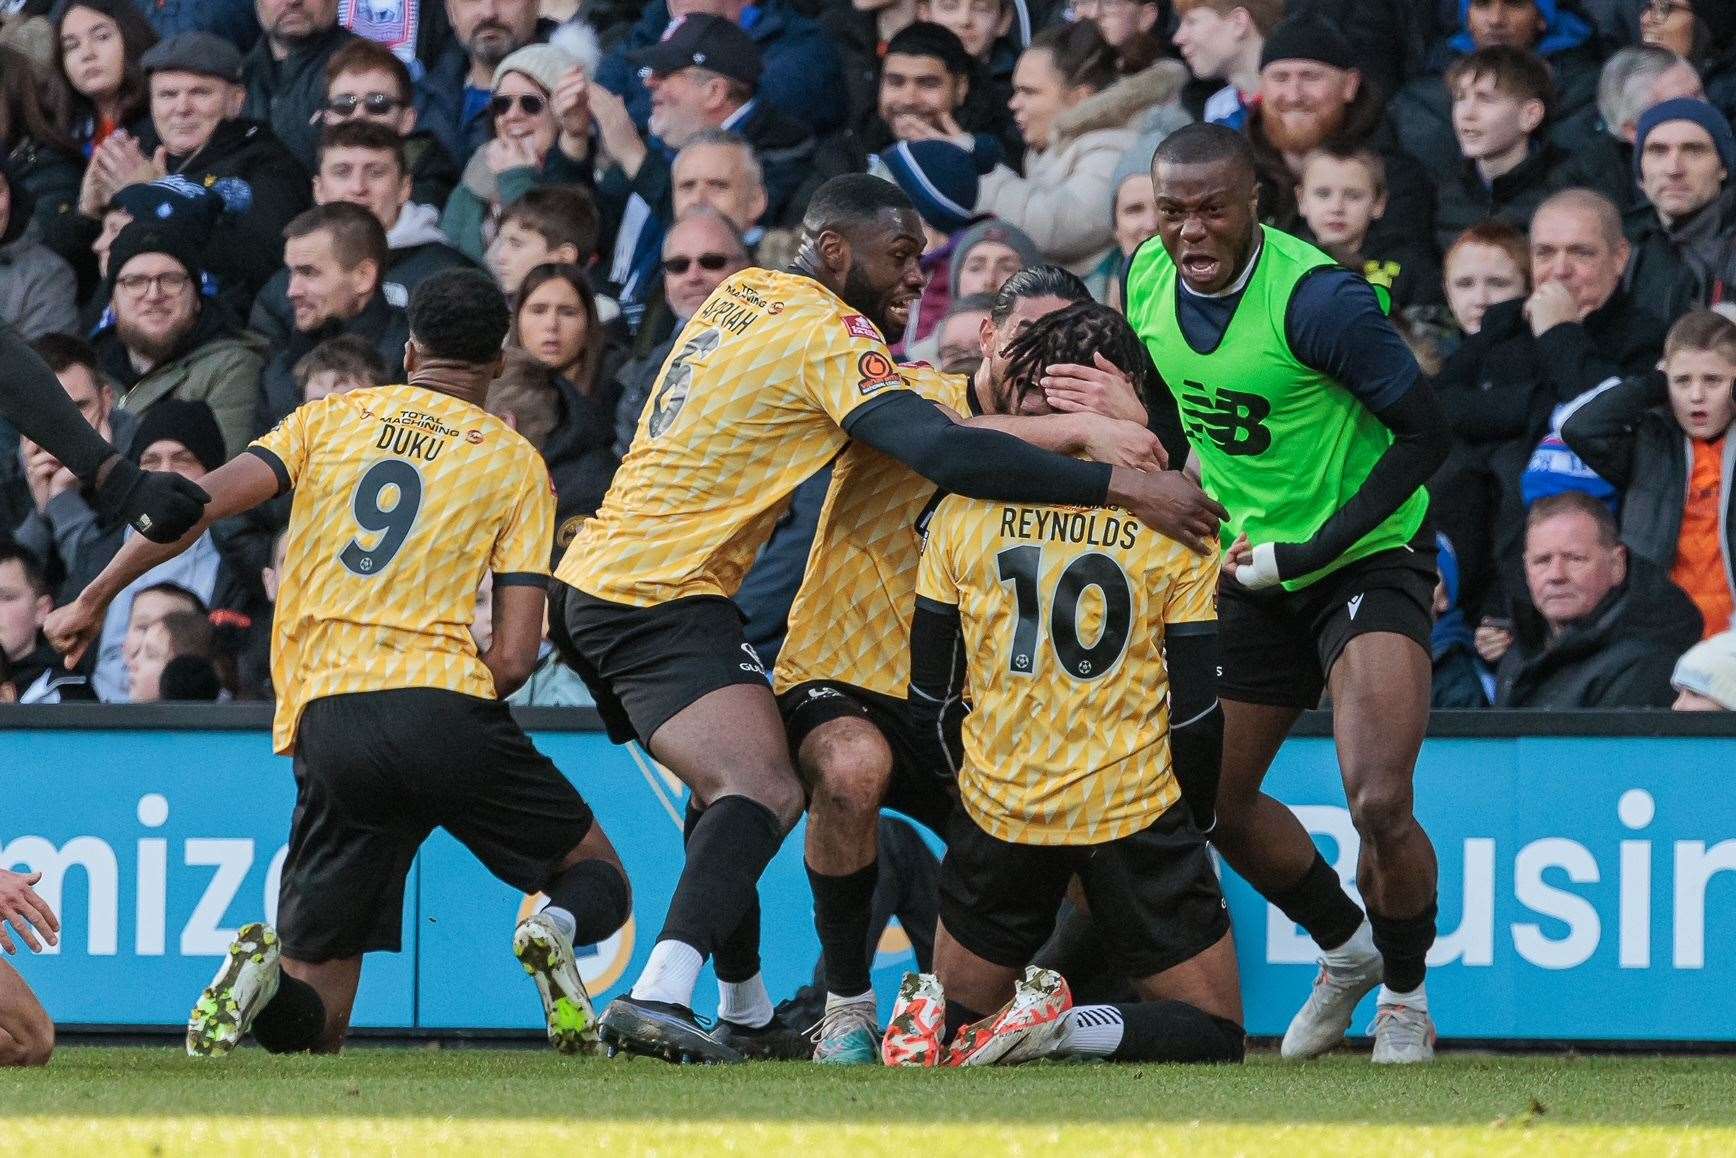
(366, 83)
(702, 249)
(285, 73)
(522, 154)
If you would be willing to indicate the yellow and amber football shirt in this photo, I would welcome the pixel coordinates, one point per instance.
(850, 621)
(404, 497)
(748, 406)
(1063, 612)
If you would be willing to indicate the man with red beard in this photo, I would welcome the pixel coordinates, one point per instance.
(1312, 94)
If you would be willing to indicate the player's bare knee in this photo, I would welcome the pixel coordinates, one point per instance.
(779, 792)
(26, 1040)
(852, 777)
(1380, 808)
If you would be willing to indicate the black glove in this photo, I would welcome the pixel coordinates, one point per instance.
(158, 505)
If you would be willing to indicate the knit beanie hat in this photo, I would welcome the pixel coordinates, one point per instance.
(1688, 109)
(1308, 38)
(991, 229)
(150, 237)
(1135, 162)
(1709, 669)
(543, 63)
(189, 423)
(939, 177)
(173, 201)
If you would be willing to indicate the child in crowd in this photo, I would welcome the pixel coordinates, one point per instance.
(548, 224)
(338, 365)
(1341, 195)
(1663, 439)
(1222, 40)
(1501, 99)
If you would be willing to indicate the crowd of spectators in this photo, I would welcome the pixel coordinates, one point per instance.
(212, 212)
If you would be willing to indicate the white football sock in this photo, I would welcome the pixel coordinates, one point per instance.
(1355, 951)
(670, 974)
(1091, 1031)
(563, 920)
(745, 1002)
(1417, 998)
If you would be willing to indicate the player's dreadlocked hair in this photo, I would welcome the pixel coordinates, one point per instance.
(1072, 335)
(459, 314)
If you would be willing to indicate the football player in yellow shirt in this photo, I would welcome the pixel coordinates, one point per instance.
(767, 383)
(844, 668)
(404, 496)
(1089, 644)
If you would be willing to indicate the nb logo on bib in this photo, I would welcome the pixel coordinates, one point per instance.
(1233, 421)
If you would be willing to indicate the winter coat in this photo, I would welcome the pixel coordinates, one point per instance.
(218, 364)
(1464, 199)
(52, 179)
(801, 73)
(288, 94)
(233, 20)
(1604, 162)
(580, 451)
(1050, 200)
(382, 324)
(1693, 260)
(1619, 656)
(1628, 435)
(433, 172)
(263, 186)
(36, 290)
(62, 531)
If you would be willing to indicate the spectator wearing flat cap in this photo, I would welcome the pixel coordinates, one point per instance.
(705, 75)
(1684, 235)
(941, 181)
(36, 286)
(197, 132)
(169, 342)
(285, 73)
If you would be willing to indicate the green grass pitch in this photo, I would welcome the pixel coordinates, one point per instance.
(512, 1102)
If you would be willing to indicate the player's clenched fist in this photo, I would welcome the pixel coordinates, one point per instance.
(73, 628)
(1170, 502)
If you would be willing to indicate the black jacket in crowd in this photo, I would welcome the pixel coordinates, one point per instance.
(1463, 198)
(433, 172)
(264, 187)
(580, 450)
(1688, 263)
(287, 94)
(1628, 435)
(385, 326)
(1619, 656)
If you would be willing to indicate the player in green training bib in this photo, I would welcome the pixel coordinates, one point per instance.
(1311, 424)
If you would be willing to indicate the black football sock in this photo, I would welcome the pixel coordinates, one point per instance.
(1320, 905)
(737, 957)
(595, 893)
(957, 1017)
(842, 911)
(730, 847)
(293, 1021)
(1404, 947)
(1154, 1031)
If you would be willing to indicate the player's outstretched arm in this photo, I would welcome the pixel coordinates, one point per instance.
(518, 630)
(239, 485)
(986, 464)
(1116, 441)
(159, 506)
